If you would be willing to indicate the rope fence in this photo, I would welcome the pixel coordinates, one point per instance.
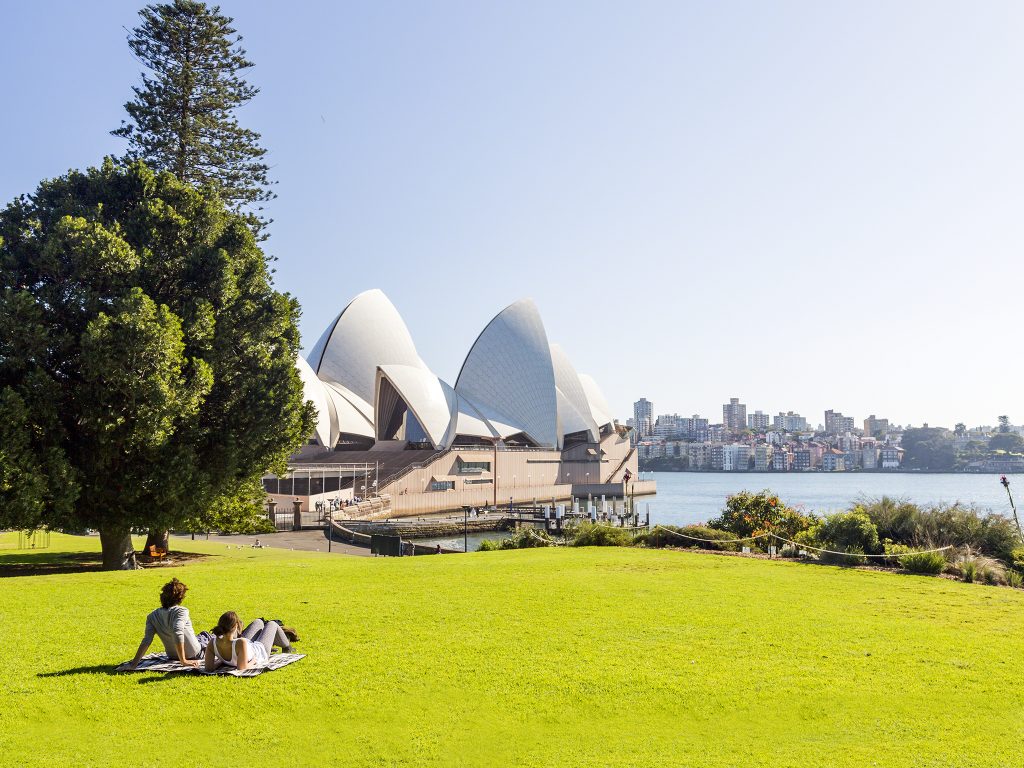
(798, 546)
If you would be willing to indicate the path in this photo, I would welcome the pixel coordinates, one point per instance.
(307, 541)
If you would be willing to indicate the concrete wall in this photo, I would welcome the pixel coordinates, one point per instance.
(519, 476)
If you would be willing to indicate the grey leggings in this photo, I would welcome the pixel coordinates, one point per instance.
(268, 635)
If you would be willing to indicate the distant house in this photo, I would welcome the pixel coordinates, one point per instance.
(802, 460)
(890, 457)
(833, 460)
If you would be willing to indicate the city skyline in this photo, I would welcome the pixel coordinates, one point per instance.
(858, 421)
(726, 162)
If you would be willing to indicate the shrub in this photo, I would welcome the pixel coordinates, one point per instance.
(748, 514)
(596, 535)
(1017, 558)
(662, 536)
(848, 556)
(849, 532)
(972, 566)
(525, 538)
(1014, 579)
(942, 524)
(923, 562)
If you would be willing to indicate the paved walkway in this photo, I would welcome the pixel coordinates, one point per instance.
(307, 541)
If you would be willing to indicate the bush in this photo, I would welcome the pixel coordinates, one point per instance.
(596, 535)
(1014, 579)
(662, 536)
(849, 532)
(748, 514)
(972, 566)
(848, 556)
(1017, 558)
(525, 538)
(931, 563)
(943, 524)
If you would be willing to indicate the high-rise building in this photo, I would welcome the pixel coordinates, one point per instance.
(643, 417)
(693, 428)
(875, 427)
(837, 424)
(790, 422)
(758, 421)
(667, 425)
(734, 415)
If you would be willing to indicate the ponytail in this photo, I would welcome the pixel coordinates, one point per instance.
(229, 622)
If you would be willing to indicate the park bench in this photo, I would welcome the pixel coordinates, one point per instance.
(155, 553)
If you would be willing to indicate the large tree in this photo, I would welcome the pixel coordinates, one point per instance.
(147, 365)
(183, 116)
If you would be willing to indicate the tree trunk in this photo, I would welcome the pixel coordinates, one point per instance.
(158, 539)
(118, 552)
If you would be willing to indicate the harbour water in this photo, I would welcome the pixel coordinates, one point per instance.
(691, 497)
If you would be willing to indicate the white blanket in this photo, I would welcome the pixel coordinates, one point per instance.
(158, 662)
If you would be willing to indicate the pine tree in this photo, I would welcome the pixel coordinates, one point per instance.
(182, 118)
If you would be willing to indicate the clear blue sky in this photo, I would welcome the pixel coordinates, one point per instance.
(808, 205)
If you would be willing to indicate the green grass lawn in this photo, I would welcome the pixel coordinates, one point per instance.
(611, 657)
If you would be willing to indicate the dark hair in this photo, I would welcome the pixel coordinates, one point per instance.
(229, 622)
(173, 593)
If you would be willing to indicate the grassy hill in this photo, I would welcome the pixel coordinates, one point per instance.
(543, 657)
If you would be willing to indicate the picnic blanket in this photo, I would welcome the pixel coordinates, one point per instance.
(158, 662)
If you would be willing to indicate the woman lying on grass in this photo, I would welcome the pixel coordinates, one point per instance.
(245, 649)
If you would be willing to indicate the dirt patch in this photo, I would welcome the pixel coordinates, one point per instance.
(44, 563)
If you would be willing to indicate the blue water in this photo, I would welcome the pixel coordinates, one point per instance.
(692, 497)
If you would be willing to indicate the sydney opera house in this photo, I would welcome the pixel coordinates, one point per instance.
(518, 425)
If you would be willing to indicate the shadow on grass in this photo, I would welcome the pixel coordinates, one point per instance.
(106, 669)
(45, 563)
(97, 669)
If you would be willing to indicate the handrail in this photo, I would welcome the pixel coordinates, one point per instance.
(396, 476)
(611, 477)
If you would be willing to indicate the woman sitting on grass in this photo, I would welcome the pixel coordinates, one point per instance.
(244, 649)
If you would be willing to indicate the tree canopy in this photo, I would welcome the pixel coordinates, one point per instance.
(147, 365)
(1010, 442)
(182, 118)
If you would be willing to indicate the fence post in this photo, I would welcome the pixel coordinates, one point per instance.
(297, 522)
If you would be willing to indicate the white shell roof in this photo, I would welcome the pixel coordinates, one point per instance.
(598, 405)
(425, 396)
(509, 369)
(337, 410)
(313, 389)
(368, 332)
(349, 413)
(512, 381)
(574, 413)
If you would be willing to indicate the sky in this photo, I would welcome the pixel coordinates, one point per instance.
(806, 205)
